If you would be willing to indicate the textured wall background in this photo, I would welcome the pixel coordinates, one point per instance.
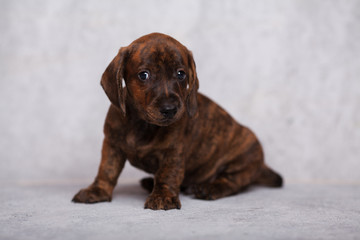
(290, 70)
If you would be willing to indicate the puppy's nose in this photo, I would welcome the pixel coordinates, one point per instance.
(168, 110)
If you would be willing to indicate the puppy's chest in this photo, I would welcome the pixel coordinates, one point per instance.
(139, 140)
(143, 150)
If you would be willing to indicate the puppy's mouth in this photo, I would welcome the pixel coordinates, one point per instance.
(161, 121)
(164, 117)
(165, 122)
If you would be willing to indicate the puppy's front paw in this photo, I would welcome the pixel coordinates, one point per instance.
(161, 201)
(91, 195)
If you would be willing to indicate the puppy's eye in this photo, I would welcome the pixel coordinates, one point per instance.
(144, 75)
(181, 75)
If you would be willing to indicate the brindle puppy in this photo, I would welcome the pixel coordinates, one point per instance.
(162, 125)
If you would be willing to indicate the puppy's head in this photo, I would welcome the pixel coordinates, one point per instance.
(156, 76)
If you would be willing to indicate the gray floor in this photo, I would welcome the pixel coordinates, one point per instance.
(297, 211)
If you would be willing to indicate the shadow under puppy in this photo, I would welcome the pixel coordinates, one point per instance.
(162, 125)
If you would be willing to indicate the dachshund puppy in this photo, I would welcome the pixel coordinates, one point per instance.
(162, 125)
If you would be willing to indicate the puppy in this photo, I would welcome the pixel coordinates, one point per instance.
(162, 125)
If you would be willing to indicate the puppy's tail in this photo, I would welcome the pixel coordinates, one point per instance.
(269, 178)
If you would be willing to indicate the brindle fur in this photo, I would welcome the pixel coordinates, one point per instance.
(201, 150)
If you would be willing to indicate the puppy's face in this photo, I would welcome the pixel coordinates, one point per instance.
(160, 77)
(157, 73)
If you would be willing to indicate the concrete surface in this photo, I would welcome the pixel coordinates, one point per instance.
(36, 211)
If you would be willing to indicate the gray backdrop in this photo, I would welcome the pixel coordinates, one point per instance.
(287, 69)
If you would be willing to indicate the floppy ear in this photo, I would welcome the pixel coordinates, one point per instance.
(112, 79)
(191, 100)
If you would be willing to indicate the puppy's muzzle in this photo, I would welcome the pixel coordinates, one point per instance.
(168, 110)
(169, 107)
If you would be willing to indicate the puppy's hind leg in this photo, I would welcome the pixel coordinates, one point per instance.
(219, 188)
(225, 184)
(231, 183)
(237, 176)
